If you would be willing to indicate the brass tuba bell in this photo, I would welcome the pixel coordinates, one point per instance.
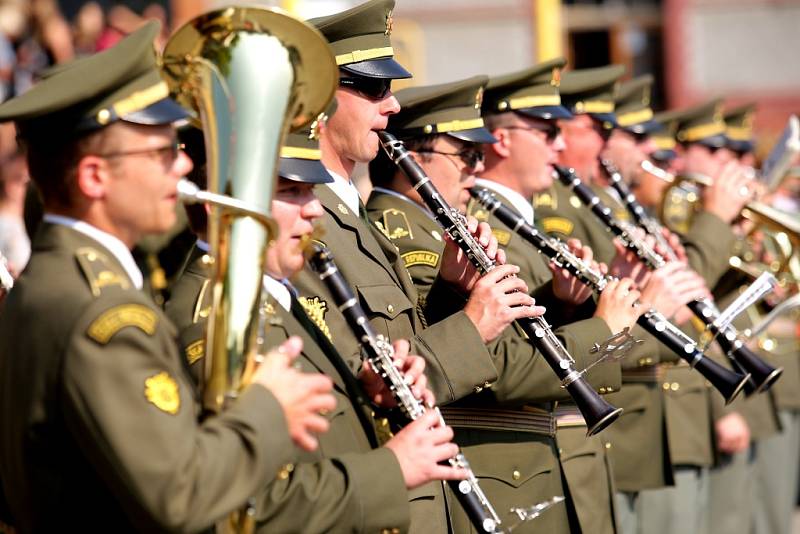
(250, 74)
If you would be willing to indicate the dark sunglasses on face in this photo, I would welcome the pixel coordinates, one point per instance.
(470, 156)
(550, 130)
(372, 88)
(172, 150)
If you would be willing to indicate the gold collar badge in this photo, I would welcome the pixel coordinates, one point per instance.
(389, 23)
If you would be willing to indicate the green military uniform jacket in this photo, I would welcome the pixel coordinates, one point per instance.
(637, 442)
(343, 486)
(100, 417)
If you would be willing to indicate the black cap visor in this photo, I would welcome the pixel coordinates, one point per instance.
(165, 111)
(645, 127)
(714, 141)
(475, 135)
(546, 112)
(608, 120)
(741, 147)
(308, 171)
(664, 155)
(377, 68)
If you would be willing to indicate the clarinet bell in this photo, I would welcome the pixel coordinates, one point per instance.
(762, 374)
(596, 411)
(729, 383)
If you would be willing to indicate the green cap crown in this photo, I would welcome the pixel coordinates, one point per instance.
(435, 109)
(93, 92)
(359, 34)
(632, 104)
(739, 122)
(534, 87)
(591, 91)
(701, 124)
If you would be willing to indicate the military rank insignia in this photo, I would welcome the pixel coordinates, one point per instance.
(112, 321)
(546, 200)
(396, 225)
(161, 391)
(94, 265)
(316, 308)
(195, 351)
(503, 237)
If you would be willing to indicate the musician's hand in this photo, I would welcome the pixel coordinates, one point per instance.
(733, 434)
(421, 446)
(675, 244)
(456, 267)
(626, 264)
(672, 286)
(730, 190)
(617, 305)
(411, 366)
(302, 396)
(497, 300)
(565, 286)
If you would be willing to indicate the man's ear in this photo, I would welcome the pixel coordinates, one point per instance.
(502, 148)
(92, 176)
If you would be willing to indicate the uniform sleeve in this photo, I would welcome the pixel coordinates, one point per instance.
(129, 405)
(354, 492)
(708, 245)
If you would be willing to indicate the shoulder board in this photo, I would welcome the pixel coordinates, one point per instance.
(420, 257)
(115, 319)
(502, 236)
(557, 225)
(396, 225)
(99, 271)
(545, 199)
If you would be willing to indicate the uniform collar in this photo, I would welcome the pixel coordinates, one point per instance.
(523, 206)
(346, 190)
(401, 196)
(278, 290)
(114, 245)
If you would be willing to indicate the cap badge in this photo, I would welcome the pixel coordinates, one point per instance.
(479, 98)
(389, 23)
(313, 134)
(555, 79)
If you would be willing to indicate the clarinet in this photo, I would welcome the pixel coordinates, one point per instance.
(597, 412)
(727, 382)
(380, 354)
(762, 374)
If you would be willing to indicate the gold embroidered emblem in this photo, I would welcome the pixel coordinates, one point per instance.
(622, 214)
(479, 98)
(420, 257)
(557, 224)
(379, 226)
(315, 126)
(544, 199)
(316, 308)
(112, 321)
(502, 236)
(389, 23)
(195, 351)
(162, 391)
(555, 78)
(396, 224)
(342, 209)
(94, 265)
(481, 214)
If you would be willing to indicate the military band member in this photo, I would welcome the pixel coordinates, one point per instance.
(349, 484)
(100, 418)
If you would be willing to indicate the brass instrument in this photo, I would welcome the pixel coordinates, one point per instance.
(250, 74)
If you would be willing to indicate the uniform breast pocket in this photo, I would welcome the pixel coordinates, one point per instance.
(385, 301)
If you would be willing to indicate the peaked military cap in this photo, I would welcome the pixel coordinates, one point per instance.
(121, 83)
(449, 108)
(739, 128)
(533, 92)
(301, 157)
(632, 106)
(664, 136)
(360, 38)
(591, 91)
(702, 124)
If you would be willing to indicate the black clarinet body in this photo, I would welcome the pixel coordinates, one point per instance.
(597, 412)
(762, 375)
(727, 382)
(380, 354)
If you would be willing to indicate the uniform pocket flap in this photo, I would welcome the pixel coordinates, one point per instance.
(512, 463)
(385, 300)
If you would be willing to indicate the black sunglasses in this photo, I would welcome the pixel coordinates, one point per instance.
(550, 130)
(470, 156)
(372, 88)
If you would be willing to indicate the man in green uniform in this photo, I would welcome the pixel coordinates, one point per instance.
(100, 419)
(349, 484)
(448, 156)
(458, 362)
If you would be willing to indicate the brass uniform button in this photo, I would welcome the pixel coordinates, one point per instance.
(665, 385)
(516, 475)
(675, 386)
(283, 474)
(207, 260)
(608, 445)
(390, 308)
